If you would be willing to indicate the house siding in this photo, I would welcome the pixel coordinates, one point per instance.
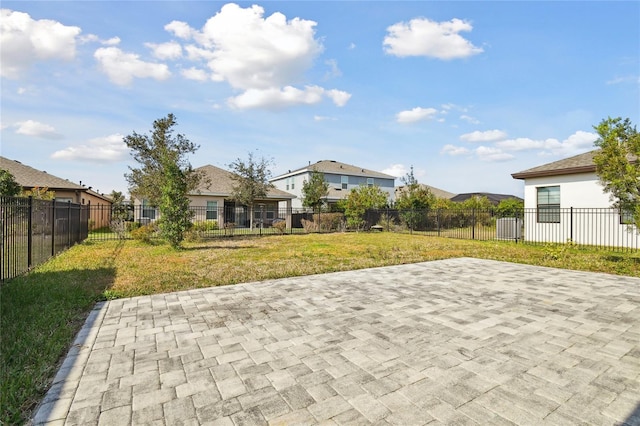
(586, 216)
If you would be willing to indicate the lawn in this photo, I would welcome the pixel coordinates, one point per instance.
(42, 311)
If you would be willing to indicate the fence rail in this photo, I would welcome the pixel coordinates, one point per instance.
(34, 230)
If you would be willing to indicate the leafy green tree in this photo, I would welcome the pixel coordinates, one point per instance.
(251, 179)
(8, 185)
(617, 164)
(476, 202)
(510, 207)
(414, 201)
(165, 176)
(359, 200)
(39, 193)
(315, 190)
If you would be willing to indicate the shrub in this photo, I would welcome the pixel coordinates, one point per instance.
(131, 226)
(144, 233)
(280, 225)
(387, 222)
(309, 225)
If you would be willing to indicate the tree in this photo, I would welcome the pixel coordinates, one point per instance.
(414, 201)
(165, 176)
(476, 202)
(251, 181)
(8, 185)
(617, 164)
(119, 213)
(39, 193)
(359, 200)
(510, 207)
(315, 190)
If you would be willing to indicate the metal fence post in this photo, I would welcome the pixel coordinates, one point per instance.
(571, 224)
(29, 228)
(53, 227)
(473, 224)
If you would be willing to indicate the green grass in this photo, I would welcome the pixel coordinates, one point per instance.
(42, 311)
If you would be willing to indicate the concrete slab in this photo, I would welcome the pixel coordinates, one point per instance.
(462, 341)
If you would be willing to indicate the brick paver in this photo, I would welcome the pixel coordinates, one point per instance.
(458, 341)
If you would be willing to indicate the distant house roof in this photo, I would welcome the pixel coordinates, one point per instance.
(28, 177)
(581, 163)
(440, 193)
(338, 168)
(221, 184)
(494, 198)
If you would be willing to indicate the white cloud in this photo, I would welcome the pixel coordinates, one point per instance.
(334, 71)
(423, 37)
(122, 67)
(253, 52)
(624, 79)
(454, 150)
(577, 142)
(486, 136)
(92, 38)
(469, 119)
(180, 29)
(275, 98)
(492, 155)
(24, 41)
(195, 74)
(35, 128)
(397, 170)
(323, 118)
(166, 51)
(106, 149)
(264, 57)
(416, 114)
(339, 97)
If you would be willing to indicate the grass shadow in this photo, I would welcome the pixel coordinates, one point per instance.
(41, 314)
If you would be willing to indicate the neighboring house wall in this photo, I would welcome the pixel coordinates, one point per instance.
(583, 213)
(342, 178)
(581, 190)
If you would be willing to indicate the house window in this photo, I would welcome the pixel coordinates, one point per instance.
(344, 180)
(549, 204)
(288, 180)
(268, 209)
(212, 210)
(148, 211)
(369, 181)
(293, 183)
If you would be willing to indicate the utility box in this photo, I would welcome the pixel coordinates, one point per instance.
(509, 228)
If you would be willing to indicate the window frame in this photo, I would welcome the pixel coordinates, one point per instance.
(370, 181)
(211, 212)
(548, 212)
(146, 208)
(344, 182)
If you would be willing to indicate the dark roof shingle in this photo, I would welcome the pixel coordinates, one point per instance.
(581, 163)
(29, 177)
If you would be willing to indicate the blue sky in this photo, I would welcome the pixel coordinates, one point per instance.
(465, 92)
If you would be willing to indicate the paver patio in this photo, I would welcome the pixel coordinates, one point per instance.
(458, 341)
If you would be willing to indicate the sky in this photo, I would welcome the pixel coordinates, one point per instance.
(466, 93)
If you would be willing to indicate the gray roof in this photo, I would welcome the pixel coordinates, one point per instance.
(440, 193)
(337, 168)
(28, 177)
(581, 163)
(221, 184)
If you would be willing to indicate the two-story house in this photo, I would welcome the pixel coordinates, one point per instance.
(342, 178)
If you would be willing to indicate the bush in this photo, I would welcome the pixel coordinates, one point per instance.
(387, 222)
(144, 233)
(280, 225)
(309, 225)
(131, 226)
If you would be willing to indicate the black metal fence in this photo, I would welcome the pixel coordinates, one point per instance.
(34, 230)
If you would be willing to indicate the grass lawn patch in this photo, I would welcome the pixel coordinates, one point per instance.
(41, 312)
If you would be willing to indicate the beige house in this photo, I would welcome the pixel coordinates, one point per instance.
(64, 190)
(212, 201)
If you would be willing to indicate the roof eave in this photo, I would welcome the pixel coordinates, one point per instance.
(545, 173)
